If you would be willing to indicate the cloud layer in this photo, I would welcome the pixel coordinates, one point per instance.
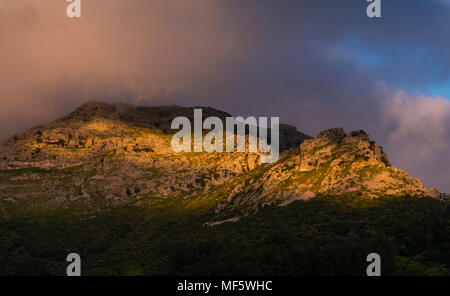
(419, 136)
(316, 64)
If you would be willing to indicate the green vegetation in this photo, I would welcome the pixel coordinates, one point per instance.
(323, 236)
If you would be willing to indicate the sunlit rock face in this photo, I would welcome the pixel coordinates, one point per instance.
(339, 148)
(97, 128)
(332, 163)
(103, 154)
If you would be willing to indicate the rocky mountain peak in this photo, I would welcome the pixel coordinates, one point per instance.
(341, 147)
(333, 163)
(152, 116)
(95, 109)
(331, 135)
(360, 135)
(338, 135)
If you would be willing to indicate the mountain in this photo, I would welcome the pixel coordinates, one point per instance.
(104, 182)
(104, 155)
(111, 154)
(333, 163)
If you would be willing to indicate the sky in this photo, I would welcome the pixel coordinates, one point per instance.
(316, 64)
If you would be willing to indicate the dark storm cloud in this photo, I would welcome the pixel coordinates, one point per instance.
(317, 64)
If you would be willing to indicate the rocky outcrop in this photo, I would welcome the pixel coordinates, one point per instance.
(433, 192)
(334, 143)
(332, 163)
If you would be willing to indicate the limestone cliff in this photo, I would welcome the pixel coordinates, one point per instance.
(333, 163)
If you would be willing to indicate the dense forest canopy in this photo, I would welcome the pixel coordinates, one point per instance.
(322, 236)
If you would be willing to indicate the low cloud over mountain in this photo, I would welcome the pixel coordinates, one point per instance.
(316, 64)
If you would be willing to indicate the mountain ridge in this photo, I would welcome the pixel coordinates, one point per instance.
(104, 155)
(333, 163)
